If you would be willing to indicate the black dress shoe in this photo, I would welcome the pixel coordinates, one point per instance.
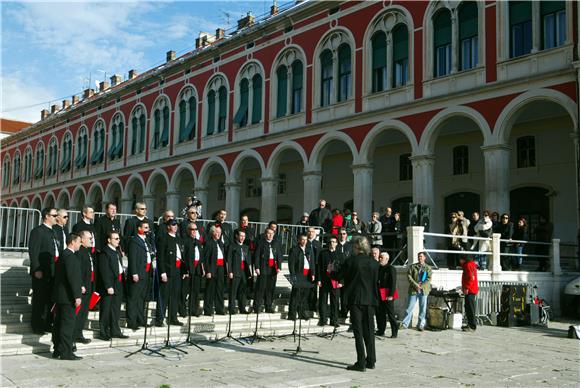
(270, 310)
(122, 336)
(175, 322)
(208, 314)
(244, 311)
(55, 355)
(370, 365)
(72, 357)
(335, 324)
(321, 323)
(39, 332)
(356, 367)
(104, 338)
(380, 333)
(220, 313)
(83, 340)
(158, 324)
(74, 347)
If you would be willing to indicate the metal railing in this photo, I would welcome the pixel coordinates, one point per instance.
(288, 233)
(204, 222)
(75, 216)
(488, 300)
(15, 226)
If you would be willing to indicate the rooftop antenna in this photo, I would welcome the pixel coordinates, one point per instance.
(228, 16)
(104, 74)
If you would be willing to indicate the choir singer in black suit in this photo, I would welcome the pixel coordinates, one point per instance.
(43, 252)
(328, 287)
(170, 259)
(214, 261)
(87, 270)
(109, 222)
(67, 296)
(302, 268)
(267, 264)
(360, 276)
(139, 255)
(193, 253)
(238, 266)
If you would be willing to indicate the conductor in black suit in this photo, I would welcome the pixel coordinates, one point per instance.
(87, 270)
(43, 252)
(214, 260)
(139, 253)
(169, 259)
(267, 264)
(239, 271)
(111, 279)
(302, 268)
(360, 276)
(67, 296)
(109, 222)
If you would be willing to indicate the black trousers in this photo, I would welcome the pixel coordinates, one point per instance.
(109, 312)
(386, 311)
(334, 294)
(470, 310)
(214, 293)
(83, 314)
(170, 293)
(363, 326)
(298, 302)
(238, 293)
(266, 286)
(343, 304)
(41, 303)
(62, 335)
(136, 294)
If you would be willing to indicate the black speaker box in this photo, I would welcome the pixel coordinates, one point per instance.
(513, 309)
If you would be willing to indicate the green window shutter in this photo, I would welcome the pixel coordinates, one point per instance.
(120, 140)
(400, 42)
(113, 143)
(379, 43)
(547, 7)
(468, 20)
(223, 114)
(297, 75)
(134, 135)
(257, 99)
(241, 115)
(102, 147)
(165, 133)
(95, 155)
(156, 125)
(344, 59)
(210, 112)
(64, 160)
(281, 98)
(191, 126)
(182, 130)
(520, 12)
(442, 28)
(142, 134)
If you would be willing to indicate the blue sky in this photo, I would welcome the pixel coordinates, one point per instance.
(50, 49)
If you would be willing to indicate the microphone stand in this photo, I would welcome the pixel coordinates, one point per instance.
(255, 337)
(296, 283)
(168, 344)
(189, 339)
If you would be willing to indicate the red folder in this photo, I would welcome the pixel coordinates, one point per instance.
(95, 297)
(383, 292)
(78, 308)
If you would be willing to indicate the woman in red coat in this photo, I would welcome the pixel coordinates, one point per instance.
(337, 221)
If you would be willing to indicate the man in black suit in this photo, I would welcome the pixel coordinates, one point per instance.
(302, 269)
(360, 276)
(238, 265)
(227, 234)
(321, 216)
(169, 260)
(250, 239)
(131, 225)
(43, 252)
(67, 297)
(109, 222)
(313, 248)
(214, 258)
(388, 294)
(328, 287)
(87, 223)
(191, 217)
(60, 229)
(193, 253)
(139, 255)
(87, 270)
(111, 279)
(267, 264)
(344, 250)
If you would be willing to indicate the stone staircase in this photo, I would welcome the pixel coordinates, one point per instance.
(16, 336)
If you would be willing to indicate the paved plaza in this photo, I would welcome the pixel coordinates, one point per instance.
(491, 357)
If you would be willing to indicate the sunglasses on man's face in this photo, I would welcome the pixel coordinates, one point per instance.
(53, 215)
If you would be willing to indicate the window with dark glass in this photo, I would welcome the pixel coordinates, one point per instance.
(81, 150)
(39, 163)
(442, 42)
(98, 146)
(6, 174)
(326, 77)
(256, 99)
(400, 55)
(468, 34)
(553, 17)
(520, 18)
(253, 188)
(282, 91)
(344, 72)
(241, 117)
(210, 113)
(297, 85)
(221, 191)
(460, 160)
(65, 164)
(379, 45)
(27, 166)
(222, 115)
(16, 172)
(282, 183)
(526, 151)
(187, 123)
(405, 168)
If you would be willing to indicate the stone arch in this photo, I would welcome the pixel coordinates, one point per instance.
(134, 179)
(274, 160)
(319, 149)
(154, 176)
(36, 202)
(507, 118)
(368, 144)
(183, 170)
(95, 196)
(203, 177)
(114, 186)
(63, 199)
(236, 170)
(79, 197)
(157, 187)
(429, 135)
(49, 200)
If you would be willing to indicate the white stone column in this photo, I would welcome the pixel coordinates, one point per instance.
(312, 189)
(363, 190)
(233, 200)
(269, 199)
(414, 243)
(555, 259)
(494, 261)
(150, 203)
(201, 193)
(423, 186)
(172, 201)
(126, 206)
(536, 27)
(497, 169)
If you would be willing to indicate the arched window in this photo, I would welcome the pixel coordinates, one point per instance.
(116, 138)
(138, 123)
(289, 83)
(217, 106)
(553, 19)
(82, 148)
(160, 124)
(442, 42)
(379, 44)
(250, 96)
(468, 32)
(344, 72)
(52, 158)
(241, 117)
(6, 173)
(65, 161)
(39, 162)
(16, 171)
(187, 116)
(27, 165)
(326, 78)
(520, 18)
(98, 146)
(282, 91)
(400, 55)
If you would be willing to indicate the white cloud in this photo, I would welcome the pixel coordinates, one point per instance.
(18, 94)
